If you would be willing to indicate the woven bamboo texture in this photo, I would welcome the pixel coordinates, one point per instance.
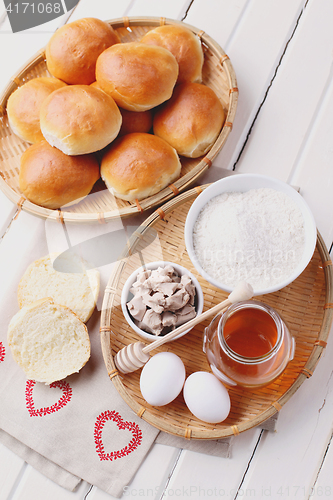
(306, 305)
(100, 205)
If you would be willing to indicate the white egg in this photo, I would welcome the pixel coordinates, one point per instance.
(206, 397)
(162, 378)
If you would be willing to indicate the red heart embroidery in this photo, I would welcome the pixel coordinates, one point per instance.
(65, 398)
(131, 426)
(2, 352)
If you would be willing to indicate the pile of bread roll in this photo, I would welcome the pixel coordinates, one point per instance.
(140, 105)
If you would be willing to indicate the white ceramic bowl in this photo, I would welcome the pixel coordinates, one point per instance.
(243, 183)
(126, 295)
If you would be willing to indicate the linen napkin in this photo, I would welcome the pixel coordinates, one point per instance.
(78, 428)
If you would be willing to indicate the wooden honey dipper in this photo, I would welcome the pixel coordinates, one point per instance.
(134, 356)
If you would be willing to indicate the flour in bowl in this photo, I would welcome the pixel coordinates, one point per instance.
(257, 236)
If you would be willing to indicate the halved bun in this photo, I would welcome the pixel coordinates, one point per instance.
(136, 75)
(79, 119)
(184, 45)
(48, 341)
(72, 286)
(23, 107)
(191, 120)
(139, 165)
(51, 179)
(72, 51)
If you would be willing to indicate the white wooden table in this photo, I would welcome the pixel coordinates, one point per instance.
(282, 53)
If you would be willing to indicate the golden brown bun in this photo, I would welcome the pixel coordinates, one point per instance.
(191, 120)
(184, 45)
(79, 119)
(51, 179)
(133, 121)
(23, 107)
(139, 165)
(136, 121)
(72, 51)
(136, 75)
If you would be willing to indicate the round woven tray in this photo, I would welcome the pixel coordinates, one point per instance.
(306, 305)
(101, 205)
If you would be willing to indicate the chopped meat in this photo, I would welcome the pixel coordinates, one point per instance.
(169, 318)
(167, 288)
(185, 314)
(141, 278)
(189, 287)
(162, 300)
(156, 301)
(136, 307)
(177, 300)
(153, 321)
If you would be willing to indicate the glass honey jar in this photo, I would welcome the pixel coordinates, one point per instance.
(249, 345)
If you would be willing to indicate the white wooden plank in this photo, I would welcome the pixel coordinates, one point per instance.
(172, 9)
(254, 42)
(198, 476)
(10, 468)
(323, 487)
(288, 112)
(101, 9)
(113, 9)
(313, 166)
(218, 18)
(286, 462)
(151, 477)
(21, 238)
(35, 486)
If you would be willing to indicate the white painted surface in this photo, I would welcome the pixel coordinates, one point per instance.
(287, 462)
(110, 9)
(285, 121)
(291, 139)
(11, 468)
(255, 40)
(199, 476)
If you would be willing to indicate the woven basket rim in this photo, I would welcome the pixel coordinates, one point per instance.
(194, 433)
(180, 184)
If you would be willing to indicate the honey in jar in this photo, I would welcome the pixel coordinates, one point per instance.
(249, 345)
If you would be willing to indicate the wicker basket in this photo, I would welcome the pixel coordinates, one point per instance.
(306, 305)
(101, 205)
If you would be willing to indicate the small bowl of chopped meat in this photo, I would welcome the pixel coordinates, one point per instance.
(160, 296)
(253, 228)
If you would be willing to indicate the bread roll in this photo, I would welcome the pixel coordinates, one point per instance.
(48, 341)
(72, 285)
(191, 120)
(72, 51)
(139, 165)
(23, 107)
(136, 75)
(79, 119)
(184, 45)
(133, 121)
(51, 179)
